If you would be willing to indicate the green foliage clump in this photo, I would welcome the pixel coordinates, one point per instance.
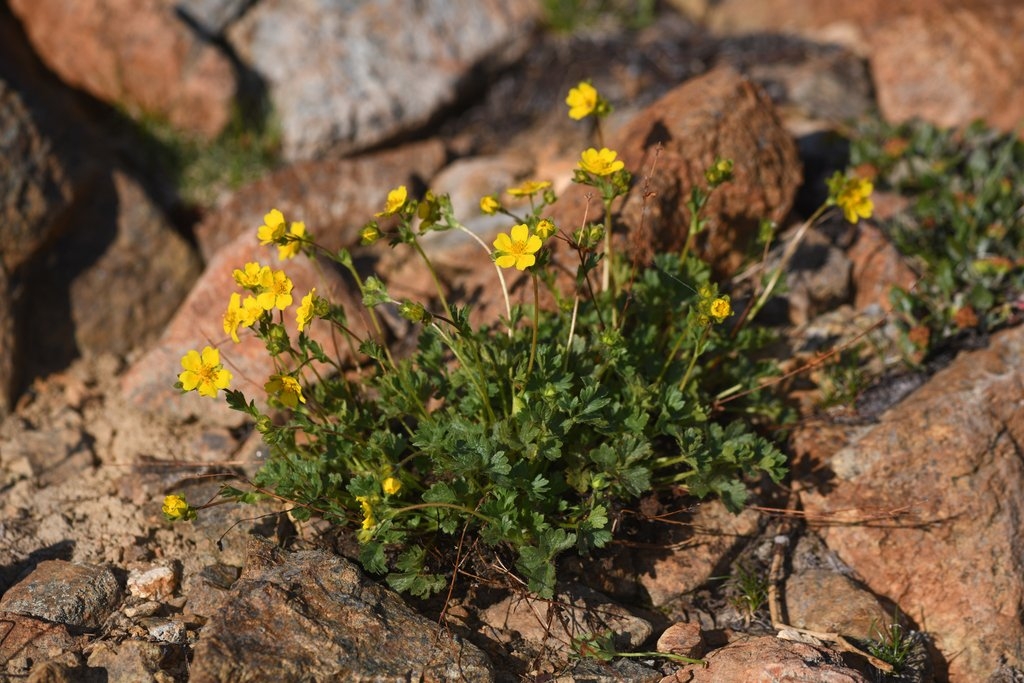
(570, 15)
(963, 230)
(200, 169)
(526, 435)
(531, 433)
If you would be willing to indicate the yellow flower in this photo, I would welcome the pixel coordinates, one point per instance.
(720, 309)
(395, 202)
(545, 229)
(600, 162)
(233, 316)
(582, 101)
(530, 187)
(719, 172)
(273, 227)
(306, 310)
(489, 204)
(517, 249)
(290, 249)
(391, 486)
(276, 290)
(204, 372)
(852, 195)
(251, 311)
(369, 234)
(287, 390)
(250, 277)
(175, 507)
(368, 519)
(856, 201)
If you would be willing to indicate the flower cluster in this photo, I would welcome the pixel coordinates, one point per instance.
(288, 236)
(711, 306)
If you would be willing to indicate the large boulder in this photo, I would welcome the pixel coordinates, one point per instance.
(346, 76)
(948, 63)
(136, 54)
(312, 615)
(925, 507)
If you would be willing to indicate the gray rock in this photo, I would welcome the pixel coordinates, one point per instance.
(348, 75)
(34, 188)
(311, 615)
(77, 595)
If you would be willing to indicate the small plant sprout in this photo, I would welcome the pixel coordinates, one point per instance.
(893, 644)
(748, 591)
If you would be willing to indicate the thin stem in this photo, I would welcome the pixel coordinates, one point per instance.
(606, 275)
(451, 506)
(501, 275)
(536, 322)
(572, 328)
(373, 314)
(787, 256)
(671, 355)
(696, 206)
(693, 359)
(433, 275)
(481, 387)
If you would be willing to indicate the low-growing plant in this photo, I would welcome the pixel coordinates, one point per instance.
(200, 169)
(528, 433)
(570, 15)
(963, 230)
(747, 590)
(892, 643)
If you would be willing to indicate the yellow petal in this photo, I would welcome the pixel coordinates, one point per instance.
(506, 261)
(533, 244)
(525, 261)
(503, 243)
(273, 219)
(189, 380)
(191, 361)
(520, 232)
(211, 357)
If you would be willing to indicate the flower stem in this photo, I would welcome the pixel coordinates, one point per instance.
(481, 386)
(787, 256)
(572, 328)
(433, 275)
(693, 359)
(536, 321)
(501, 275)
(606, 275)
